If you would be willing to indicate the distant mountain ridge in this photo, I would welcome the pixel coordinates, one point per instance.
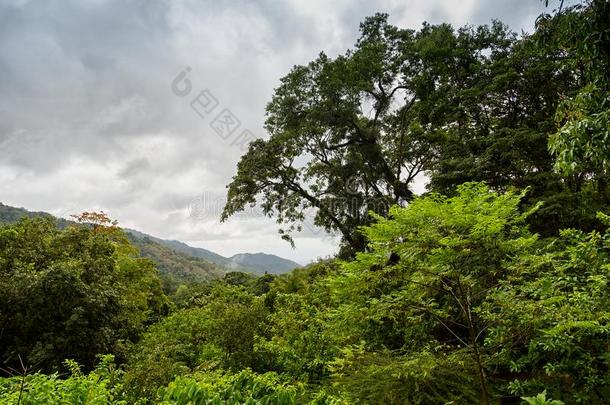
(175, 267)
(182, 247)
(176, 261)
(262, 262)
(258, 263)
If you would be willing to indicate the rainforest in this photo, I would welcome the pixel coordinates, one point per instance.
(491, 286)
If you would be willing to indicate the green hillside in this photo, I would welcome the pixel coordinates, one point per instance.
(254, 263)
(174, 267)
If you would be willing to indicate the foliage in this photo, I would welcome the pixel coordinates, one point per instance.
(100, 387)
(581, 144)
(417, 291)
(385, 377)
(217, 333)
(71, 293)
(557, 304)
(244, 387)
(447, 297)
(582, 33)
(541, 399)
(349, 135)
(500, 113)
(454, 300)
(299, 343)
(345, 137)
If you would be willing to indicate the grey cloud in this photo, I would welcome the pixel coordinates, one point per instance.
(135, 167)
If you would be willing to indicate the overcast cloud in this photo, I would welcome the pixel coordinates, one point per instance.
(88, 119)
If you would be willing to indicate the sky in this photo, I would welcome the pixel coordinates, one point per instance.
(96, 114)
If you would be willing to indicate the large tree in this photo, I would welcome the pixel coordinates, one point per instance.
(349, 135)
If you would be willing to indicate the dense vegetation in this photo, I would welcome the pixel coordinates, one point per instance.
(493, 287)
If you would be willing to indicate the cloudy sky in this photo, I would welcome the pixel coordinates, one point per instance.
(89, 119)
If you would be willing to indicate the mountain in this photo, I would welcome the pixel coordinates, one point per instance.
(10, 214)
(262, 262)
(178, 246)
(257, 263)
(176, 261)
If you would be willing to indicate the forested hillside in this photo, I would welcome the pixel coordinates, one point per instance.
(492, 287)
(256, 263)
(177, 263)
(176, 268)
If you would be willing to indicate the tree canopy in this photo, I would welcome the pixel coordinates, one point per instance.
(72, 293)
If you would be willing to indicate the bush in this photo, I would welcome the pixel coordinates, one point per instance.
(245, 387)
(217, 334)
(102, 386)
